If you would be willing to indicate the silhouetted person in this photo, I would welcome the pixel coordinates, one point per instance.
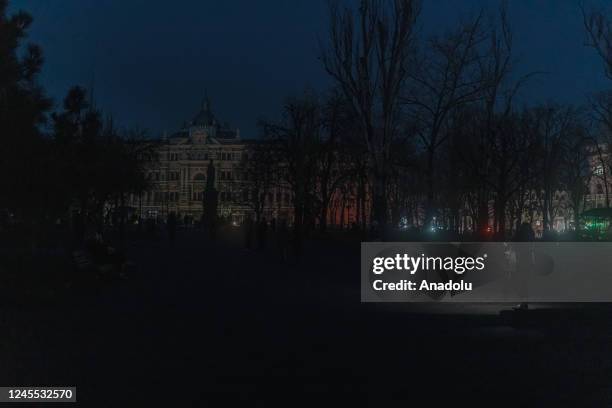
(282, 239)
(374, 233)
(262, 231)
(171, 227)
(499, 236)
(248, 233)
(109, 261)
(213, 229)
(524, 261)
(151, 227)
(273, 225)
(79, 228)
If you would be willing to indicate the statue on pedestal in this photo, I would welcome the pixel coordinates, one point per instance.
(211, 200)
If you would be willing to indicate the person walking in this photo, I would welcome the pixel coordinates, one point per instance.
(262, 231)
(524, 262)
(171, 225)
(282, 240)
(248, 233)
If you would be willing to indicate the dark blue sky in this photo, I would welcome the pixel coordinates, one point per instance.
(152, 60)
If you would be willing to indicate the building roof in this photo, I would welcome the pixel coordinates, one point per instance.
(204, 117)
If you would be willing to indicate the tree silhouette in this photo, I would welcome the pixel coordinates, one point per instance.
(26, 169)
(368, 56)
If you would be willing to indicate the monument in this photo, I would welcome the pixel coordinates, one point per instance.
(210, 202)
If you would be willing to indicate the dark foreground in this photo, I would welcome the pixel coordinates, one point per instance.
(209, 324)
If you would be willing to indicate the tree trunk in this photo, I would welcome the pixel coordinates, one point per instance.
(323, 219)
(429, 179)
(379, 197)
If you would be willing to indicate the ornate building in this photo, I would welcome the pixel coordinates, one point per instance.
(179, 175)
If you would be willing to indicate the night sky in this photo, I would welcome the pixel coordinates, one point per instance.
(152, 61)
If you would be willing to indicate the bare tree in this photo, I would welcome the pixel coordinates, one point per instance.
(368, 56)
(599, 36)
(447, 77)
(598, 28)
(357, 175)
(256, 177)
(551, 126)
(601, 108)
(333, 165)
(575, 170)
(296, 141)
(480, 123)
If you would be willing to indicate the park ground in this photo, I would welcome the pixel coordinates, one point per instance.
(209, 323)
